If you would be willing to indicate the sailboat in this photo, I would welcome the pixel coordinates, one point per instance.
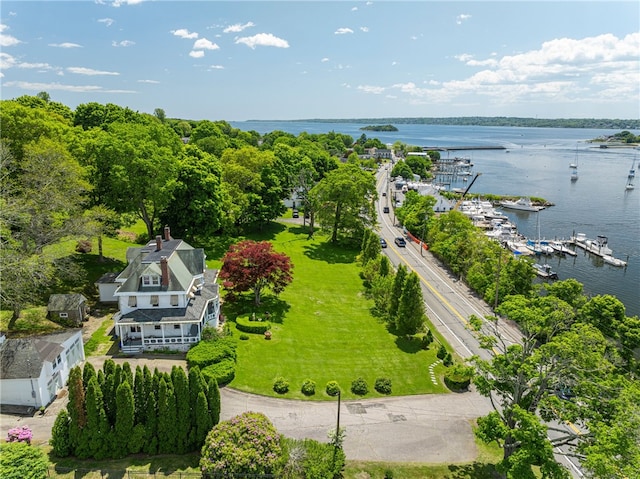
(574, 168)
(539, 247)
(632, 171)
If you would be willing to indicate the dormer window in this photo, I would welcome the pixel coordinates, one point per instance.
(149, 280)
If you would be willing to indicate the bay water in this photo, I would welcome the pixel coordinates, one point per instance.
(535, 162)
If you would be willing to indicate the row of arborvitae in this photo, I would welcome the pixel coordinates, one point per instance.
(358, 386)
(112, 414)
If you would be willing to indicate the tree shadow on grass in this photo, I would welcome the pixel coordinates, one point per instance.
(271, 308)
(331, 253)
(409, 344)
(477, 470)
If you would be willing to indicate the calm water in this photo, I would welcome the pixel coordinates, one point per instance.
(537, 164)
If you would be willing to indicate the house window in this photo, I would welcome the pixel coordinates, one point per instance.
(157, 326)
(150, 280)
(174, 300)
(176, 326)
(135, 329)
(155, 280)
(64, 315)
(146, 281)
(133, 301)
(155, 300)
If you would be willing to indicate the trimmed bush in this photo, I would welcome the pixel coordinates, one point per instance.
(308, 387)
(245, 325)
(458, 377)
(281, 385)
(244, 337)
(442, 352)
(448, 360)
(359, 386)
(332, 388)
(383, 385)
(206, 353)
(19, 460)
(427, 339)
(223, 372)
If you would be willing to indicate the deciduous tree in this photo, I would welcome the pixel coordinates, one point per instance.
(255, 266)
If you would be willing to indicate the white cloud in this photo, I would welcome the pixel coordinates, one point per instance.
(461, 18)
(6, 61)
(376, 90)
(60, 87)
(38, 66)
(7, 40)
(342, 31)
(123, 43)
(263, 40)
(324, 60)
(65, 45)
(364, 29)
(184, 33)
(153, 82)
(237, 28)
(354, 9)
(204, 44)
(107, 21)
(196, 53)
(118, 3)
(216, 67)
(89, 71)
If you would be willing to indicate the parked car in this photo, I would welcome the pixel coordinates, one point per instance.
(295, 214)
(400, 242)
(383, 243)
(385, 209)
(384, 193)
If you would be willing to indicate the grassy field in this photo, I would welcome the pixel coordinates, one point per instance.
(323, 329)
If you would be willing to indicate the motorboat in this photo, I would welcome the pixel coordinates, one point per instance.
(522, 204)
(519, 248)
(545, 271)
(539, 248)
(560, 248)
(614, 261)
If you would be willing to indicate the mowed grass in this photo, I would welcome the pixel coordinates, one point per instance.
(323, 330)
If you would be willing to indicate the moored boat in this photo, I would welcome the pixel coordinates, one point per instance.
(523, 204)
(545, 271)
(560, 248)
(614, 261)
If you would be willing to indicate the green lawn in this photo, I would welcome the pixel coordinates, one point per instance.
(323, 330)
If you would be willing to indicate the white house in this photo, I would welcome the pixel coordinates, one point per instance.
(34, 369)
(166, 296)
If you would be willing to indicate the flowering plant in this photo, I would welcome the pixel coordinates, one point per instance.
(20, 434)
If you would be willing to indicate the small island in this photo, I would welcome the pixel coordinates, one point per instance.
(379, 128)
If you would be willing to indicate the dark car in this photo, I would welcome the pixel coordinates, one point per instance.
(384, 193)
(385, 209)
(383, 243)
(295, 214)
(400, 242)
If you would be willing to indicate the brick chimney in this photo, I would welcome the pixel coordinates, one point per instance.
(158, 243)
(164, 269)
(167, 233)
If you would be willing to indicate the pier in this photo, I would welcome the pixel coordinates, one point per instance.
(463, 148)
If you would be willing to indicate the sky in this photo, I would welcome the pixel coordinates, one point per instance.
(287, 60)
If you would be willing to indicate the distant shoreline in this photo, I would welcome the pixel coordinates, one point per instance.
(594, 123)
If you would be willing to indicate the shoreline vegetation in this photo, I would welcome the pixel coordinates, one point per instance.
(379, 128)
(605, 123)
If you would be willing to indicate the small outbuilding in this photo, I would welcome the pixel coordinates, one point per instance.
(68, 309)
(107, 286)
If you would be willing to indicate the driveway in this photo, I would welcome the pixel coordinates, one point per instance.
(427, 428)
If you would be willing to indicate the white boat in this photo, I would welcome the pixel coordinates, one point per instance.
(613, 261)
(574, 168)
(523, 204)
(519, 248)
(629, 186)
(632, 171)
(560, 248)
(545, 271)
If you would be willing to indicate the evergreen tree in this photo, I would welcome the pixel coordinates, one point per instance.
(101, 378)
(196, 386)
(98, 430)
(183, 409)
(213, 398)
(87, 373)
(139, 397)
(372, 248)
(109, 367)
(77, 412)
(166, 418)
(60, 443)
(109, 396)
(398, 286)
(204, 420)
(410, 317)
(385, 266)
(127, 375)
(151, 426)
(125, 412)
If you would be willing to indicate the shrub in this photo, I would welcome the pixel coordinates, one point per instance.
(19, 460)
(312, 459)
(442, 352)
(383, 385)
(245, 444)
(20, 434)
(255, 327)
(359, 387)
(281, 385)
(210, 334)
(448, 360)
(427, 339)
(308, 387)
(243, 337)
(332, 388)
(458, 377)
(223, 372)
(83, 246)
(206, 353)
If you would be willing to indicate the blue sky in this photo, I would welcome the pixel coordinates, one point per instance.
(284, 60)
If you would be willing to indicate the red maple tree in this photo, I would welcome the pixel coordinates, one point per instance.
(254, 265)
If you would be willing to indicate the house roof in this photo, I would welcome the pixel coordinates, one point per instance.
(23, 358)
(193, 312)
(65, 302)
(184, 263)
(107, 278)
